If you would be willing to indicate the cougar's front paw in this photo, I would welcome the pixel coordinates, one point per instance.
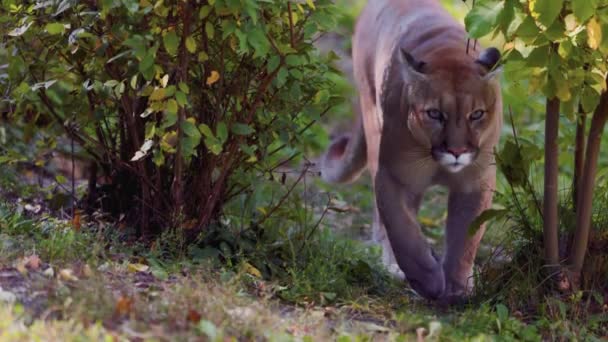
(458, 288)
(428, 282)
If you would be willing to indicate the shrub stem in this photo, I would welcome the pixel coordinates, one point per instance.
(550, 223)
(585, 198)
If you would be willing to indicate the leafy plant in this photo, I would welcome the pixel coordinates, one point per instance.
(557, 48)
(180, 105)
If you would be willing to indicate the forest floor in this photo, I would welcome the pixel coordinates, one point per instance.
(62, 283)
(65, 279)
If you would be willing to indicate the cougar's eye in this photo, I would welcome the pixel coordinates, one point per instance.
(476, 115)
(434, 114)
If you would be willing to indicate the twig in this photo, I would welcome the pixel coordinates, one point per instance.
(291, 35)
(283, 198)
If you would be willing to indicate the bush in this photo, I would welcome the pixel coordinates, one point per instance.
(179, 105)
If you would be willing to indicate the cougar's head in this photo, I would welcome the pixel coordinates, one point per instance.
(453, 107)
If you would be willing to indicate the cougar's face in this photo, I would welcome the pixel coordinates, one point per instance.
(452, 105)
(455, 121)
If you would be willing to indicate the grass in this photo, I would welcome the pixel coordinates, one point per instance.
(333, 289)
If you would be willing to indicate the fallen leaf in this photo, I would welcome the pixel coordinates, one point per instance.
(76, 221)
(193, 316)
(86, 271)
(249, 268)
(214, 77)
(373, 327)
(420, 333)
(124, 306)
(32, 262)
(33, 208)
(7, 297)
(67, 274)
(137, 267)
(21, 267)
(49, 272)
(191, 224)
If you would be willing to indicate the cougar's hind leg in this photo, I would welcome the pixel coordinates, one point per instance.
(381, 238)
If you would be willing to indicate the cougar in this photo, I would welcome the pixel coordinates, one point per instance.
(431, 114)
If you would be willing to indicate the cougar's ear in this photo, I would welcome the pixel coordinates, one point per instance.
(489, 59)
(411, 68)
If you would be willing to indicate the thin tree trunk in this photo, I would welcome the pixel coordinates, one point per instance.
(583, 215)
(579, 155)
(177, 186)
(550, 224)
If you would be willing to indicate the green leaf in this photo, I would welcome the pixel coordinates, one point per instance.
(171, 42)
(222, 132)
(146, 66)
(209, 30)
(133, 82)
(545, 11)
(273, 63)
(481, 19)
(184, 87)
(293, 60)
(589, 99)
(259, 42)
(485, 216)
(502, 312)
(54, 28)
(538, 57)
(181, 98)
(190, 129)
(171, 106)
(204, 12)
(241, 129)
(191, 44)
(584, 9)
(214, 146)
(208, 328)
(189, 145)
(206, 131)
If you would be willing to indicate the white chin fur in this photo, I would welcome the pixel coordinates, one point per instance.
(453, 164)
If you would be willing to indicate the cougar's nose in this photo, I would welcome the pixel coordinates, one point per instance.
(457, 151)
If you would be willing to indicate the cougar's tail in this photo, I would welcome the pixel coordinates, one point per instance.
(346, 157)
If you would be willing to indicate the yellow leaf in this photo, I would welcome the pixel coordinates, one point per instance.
(137, 267)
(214, 77)
(157, 94)
(311, 4)
(249, 268)
(594, 33)
(531, 6)
(165, 80)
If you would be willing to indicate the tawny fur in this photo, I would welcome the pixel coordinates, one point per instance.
(409, 56)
